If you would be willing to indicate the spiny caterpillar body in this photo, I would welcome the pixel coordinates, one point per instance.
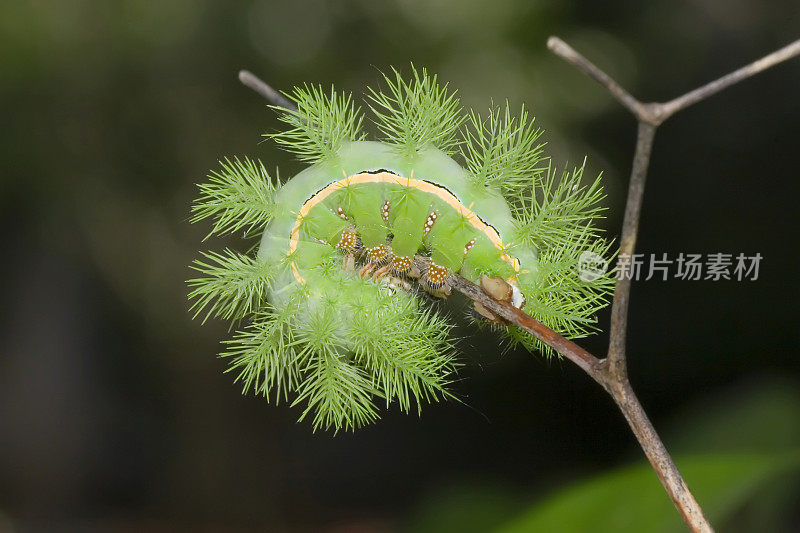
(331, 300)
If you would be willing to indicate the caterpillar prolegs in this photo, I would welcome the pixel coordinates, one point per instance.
(331, 303)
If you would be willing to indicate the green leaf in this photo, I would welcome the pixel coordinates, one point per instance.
(757, 416)
(632, 499)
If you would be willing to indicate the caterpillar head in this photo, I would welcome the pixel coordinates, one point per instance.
(331, 304)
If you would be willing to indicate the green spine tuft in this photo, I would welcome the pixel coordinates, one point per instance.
(320, 124)
(234, 286)
(405, 349)
(240, 195)
(501, 150)
(558, 298)
(558, 217)
(263, 356)
(416, 113)
(555, 211)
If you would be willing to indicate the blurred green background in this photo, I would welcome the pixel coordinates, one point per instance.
(114, 412)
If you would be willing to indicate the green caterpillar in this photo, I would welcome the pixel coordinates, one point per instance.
(332, 297)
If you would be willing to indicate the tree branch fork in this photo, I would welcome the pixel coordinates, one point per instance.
(611, 372)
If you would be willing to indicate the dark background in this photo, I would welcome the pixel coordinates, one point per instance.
(114, 412)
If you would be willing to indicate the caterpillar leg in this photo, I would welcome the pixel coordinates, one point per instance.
(382, 272)
(367, 269)
(435, 280)
(349, 262)
(443, 290)
(396, 283)
(440, 292)
(414, 271)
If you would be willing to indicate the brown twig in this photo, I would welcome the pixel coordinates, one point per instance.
(619, 389)
(586, 361)
(615, 375)
(562, 49)
(258, 85)
(610, 372)
(627, 244)
(692, 97)
(656, 113)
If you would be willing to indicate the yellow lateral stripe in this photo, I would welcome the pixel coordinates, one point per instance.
(384, 177)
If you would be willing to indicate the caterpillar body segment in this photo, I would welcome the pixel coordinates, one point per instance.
(426, 189)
